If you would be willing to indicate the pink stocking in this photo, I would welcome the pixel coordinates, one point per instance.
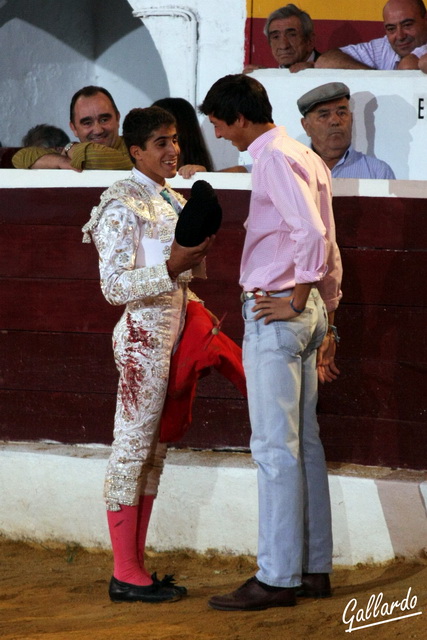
(123, 527)
(144, 514)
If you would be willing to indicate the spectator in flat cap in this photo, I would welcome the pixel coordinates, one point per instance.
(327, 120)
(290, 34)
(404, 43)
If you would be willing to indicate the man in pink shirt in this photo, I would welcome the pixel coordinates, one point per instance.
(290, 276)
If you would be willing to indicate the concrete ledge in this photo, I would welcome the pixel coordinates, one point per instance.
(207, 500)
(344, 187)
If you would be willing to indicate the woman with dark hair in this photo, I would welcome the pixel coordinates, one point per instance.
(192, 144)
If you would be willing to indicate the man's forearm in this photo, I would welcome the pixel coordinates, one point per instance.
(96, 156)
(300, 295)
(52, 161)
(337, 59)
(39, 158)
(26, 157)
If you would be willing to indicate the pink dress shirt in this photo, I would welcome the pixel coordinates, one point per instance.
(290, 229)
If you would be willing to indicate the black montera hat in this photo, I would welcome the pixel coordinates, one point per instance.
(201, 216)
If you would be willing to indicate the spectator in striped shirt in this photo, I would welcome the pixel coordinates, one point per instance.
(94, 120)
(327, 120)
(405, 41)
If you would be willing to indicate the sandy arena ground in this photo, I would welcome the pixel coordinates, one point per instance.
(61, 594)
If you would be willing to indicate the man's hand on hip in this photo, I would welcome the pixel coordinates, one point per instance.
(272, 308)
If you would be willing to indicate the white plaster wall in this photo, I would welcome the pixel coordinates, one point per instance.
(192, 66)
(127, 62)
(207, 501)
(219, 47)
(52, 48)
(359, 526)
(18, 178)
(38, 71)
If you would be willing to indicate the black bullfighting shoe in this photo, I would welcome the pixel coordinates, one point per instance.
(169, 582)
(156, 592)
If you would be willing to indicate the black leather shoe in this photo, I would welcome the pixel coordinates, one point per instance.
(315, 585)
(126, 592)
(254, 595)
(169, 582)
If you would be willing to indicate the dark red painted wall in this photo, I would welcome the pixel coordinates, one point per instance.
(57, 376)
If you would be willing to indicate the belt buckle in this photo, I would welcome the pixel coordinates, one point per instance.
(249, 295)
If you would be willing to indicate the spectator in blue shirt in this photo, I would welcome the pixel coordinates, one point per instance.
(327, 120)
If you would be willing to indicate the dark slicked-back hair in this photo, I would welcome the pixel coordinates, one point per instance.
(235, 95)
(139, 125)
(88, 92)
(289, 11)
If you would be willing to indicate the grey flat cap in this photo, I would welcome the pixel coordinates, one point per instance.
(324, 93)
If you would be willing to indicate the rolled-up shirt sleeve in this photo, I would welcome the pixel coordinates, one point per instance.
(288, 188)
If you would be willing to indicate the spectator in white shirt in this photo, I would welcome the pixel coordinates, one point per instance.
(405, 24)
